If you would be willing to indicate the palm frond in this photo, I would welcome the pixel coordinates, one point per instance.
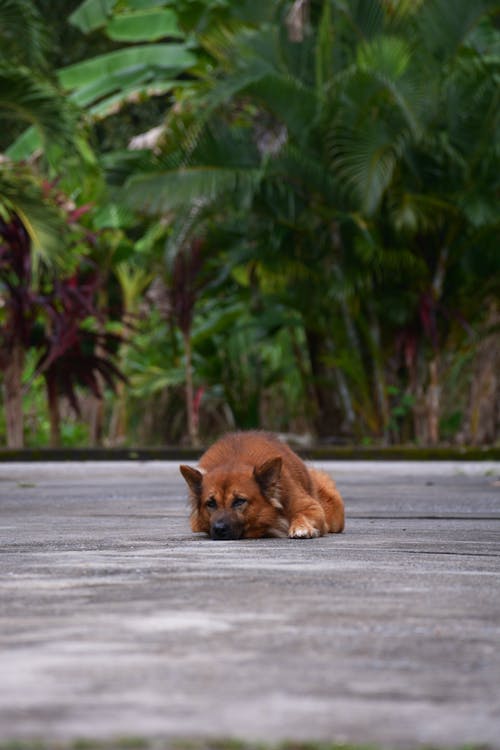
(269, 69)
(365, 160)
(365, 18)
(20, 195)
(220, 145)
(475, 80)
(38, 103)
(380, 107)
(306, 173)
(444, 26)
(412, 212)
(288, 99)
(167, 190)
(119, 165)
(386, 61)
(389, 56)
(383, 261)
(23, 36)
(209, 161)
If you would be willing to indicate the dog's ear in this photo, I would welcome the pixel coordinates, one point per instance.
(194, 479)
(267, 476)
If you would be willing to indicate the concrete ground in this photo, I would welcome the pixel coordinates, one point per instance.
(117, 621)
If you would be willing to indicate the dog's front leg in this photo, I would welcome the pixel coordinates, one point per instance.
(307, 519)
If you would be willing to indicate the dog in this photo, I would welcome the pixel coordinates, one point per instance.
(251, 485)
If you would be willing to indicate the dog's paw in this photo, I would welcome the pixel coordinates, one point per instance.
(302, 529)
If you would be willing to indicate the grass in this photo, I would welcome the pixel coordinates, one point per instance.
(137, 743)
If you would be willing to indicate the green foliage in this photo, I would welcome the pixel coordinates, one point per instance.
(21, 193)
(341, 173)
(25, 39)
(92, 14)
(28, 95)
(146, 25)
(74, 432)
(173, 57)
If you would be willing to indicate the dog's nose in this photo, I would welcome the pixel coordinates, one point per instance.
(221, 529)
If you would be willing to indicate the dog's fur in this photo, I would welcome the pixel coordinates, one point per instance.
(251, 485)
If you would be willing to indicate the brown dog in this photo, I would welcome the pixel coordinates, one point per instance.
(251, 485)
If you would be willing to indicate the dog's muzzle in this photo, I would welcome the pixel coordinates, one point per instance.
(226, 527)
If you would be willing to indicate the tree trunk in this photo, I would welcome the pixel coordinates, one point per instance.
(97, 409)
(353, 338)
(378, 372)
(433, 395)
(97, 420)
(483, 414)
(13, 397)
(192, 418)
(433, 401)
(54, 413)
(118, 422)
(306, 377)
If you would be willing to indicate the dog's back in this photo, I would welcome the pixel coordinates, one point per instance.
(254, 448)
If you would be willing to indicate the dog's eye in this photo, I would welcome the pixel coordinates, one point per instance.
(238, 502)
(211, 503)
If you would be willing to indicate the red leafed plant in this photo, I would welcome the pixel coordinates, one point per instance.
(60, 318)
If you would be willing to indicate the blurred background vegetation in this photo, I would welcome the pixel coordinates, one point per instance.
(219, 214)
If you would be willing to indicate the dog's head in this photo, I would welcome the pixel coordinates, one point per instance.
(236, 502)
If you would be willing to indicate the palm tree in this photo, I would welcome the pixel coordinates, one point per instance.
(423, 170)
(350, 151)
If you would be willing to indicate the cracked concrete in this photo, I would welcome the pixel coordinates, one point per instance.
(116, 620)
